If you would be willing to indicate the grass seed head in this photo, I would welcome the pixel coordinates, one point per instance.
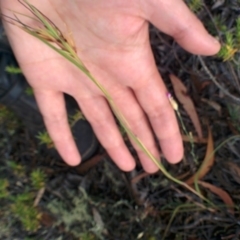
(172, 101)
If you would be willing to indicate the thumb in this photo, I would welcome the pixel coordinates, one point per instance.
(174, 18)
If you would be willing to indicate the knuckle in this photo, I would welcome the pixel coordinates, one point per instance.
(158, 111)
(55, 117)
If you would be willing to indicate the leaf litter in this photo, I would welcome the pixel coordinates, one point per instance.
(221, 194)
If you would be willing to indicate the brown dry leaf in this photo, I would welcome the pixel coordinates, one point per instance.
(198, 84)
(208, 161)
(47, 219)
(221, 193)
(137, 178)
(84, 167)
(182, 96)
(205, 84)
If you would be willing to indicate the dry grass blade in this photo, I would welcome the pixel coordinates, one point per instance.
(221, 193)
(207, 162)
(39, 196)
(182, 96)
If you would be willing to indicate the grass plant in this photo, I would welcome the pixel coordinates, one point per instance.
(50, 35)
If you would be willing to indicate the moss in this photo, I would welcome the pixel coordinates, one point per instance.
(3, 188)
(38, 179)
(45, 139)
(23, 209)
(76, 216)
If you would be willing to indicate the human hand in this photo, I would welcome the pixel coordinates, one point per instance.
(112, 40)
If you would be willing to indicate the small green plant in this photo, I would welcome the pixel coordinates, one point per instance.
(3, 188)
(29, 91)
(195, 5)
(73, 119)
(78, 219)
(228, 49)
(38, 179)
(44, 138)
(8, 118)
(17, 169)
(231, 44)
(13, 70)
(22, 207)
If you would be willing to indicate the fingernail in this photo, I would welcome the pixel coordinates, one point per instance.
(214, 40)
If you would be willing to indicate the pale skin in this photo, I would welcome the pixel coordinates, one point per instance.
(112, 40)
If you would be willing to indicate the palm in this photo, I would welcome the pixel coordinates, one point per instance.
(112, 40)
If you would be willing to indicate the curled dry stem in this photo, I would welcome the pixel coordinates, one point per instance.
(50, 34)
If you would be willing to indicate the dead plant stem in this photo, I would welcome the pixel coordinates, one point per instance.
(216, 82)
